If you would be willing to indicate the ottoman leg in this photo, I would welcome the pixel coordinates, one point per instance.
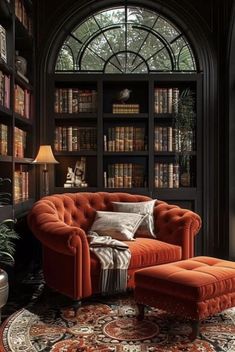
(195, 329)
(140, 316)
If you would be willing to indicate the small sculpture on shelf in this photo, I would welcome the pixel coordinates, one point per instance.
(79, 173)
(76, 178)
(124, 95)
(20, 63)
(69, 178)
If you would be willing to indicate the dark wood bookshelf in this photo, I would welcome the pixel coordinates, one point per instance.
(19, 39)
(143, 87)
(5, 10)
(22, 33)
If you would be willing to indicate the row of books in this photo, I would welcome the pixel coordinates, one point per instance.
(22, 101)
(3, 139)
(21, 185)
(22, 15)
(75, 138)
(166, 100)
(4, 90)
(3, 44)
(166, 175)
(125, 108)
(124, 139)
(74, 100)
(19, 143)
(124, 175)
(173, 139)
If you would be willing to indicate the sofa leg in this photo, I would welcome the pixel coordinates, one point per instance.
(140, 315)
(195, 324)
(76, 303)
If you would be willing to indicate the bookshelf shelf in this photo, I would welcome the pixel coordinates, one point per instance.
(6, 158)
(128, 153)
(23, 121)
(134, 190)
(23, 160)
(75, 116)
(21, 207)
(16, 112)
(5, 112)
(76, 153)
(5, 67)
(75, 189)
(22, 82)
(5, 212)
(125, 116)
(165, 153)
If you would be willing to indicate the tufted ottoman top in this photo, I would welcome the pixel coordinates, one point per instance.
(195, 279)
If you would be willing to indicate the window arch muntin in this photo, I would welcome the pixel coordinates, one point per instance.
(177, 64)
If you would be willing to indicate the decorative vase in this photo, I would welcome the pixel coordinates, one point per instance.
(20, 64)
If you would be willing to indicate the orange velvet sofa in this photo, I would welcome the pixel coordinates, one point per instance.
(61, 222)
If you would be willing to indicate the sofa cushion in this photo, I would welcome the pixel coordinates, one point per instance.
(145, 252)
(120, 226)
(146, 228)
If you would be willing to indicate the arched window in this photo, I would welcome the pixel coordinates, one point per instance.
(126, 39)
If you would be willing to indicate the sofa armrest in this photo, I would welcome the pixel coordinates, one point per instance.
(54, 233)
(176, 226)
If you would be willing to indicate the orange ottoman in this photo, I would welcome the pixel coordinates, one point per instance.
(193, 288)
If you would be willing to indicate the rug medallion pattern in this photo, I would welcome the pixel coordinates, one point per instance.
(110, 325)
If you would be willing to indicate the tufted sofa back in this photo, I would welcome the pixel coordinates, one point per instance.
(79, 209)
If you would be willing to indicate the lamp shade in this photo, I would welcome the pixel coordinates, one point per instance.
(45, 156)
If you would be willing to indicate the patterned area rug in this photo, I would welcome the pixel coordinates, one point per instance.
(110, 324)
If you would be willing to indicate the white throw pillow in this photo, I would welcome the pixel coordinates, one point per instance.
(120, 226)
(146, 228)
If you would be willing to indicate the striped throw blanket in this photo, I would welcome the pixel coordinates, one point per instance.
(114, 258)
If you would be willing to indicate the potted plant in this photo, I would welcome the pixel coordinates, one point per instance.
(7, 242)
(5, 197)
(185, 124)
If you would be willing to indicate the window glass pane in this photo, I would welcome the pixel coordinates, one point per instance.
(65, 60)
(110, 17)
(90, 61)
(86, 29)
(161, 61)
(101, 47)
(166, 29)
(135, 38)
(141, 16)
(185, 60)
(142, 68)
(116, 39)
(151, 45)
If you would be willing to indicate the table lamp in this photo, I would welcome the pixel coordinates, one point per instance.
(45, 156)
